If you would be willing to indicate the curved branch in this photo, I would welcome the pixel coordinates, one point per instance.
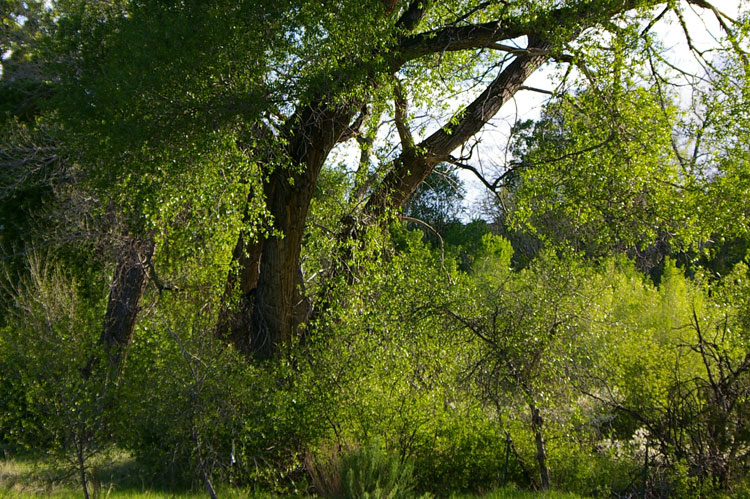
(477, 36)
(408, 172)
(400, 114)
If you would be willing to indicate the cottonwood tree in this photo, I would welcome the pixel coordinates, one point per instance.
(245, 101)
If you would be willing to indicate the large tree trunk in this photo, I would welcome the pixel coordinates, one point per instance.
(272, 302)
(277, 298)
(272, 306)
(232, 321)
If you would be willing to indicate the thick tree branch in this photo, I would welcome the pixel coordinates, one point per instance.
(400, 114)
(455, 38)
(467, 123)
(413, 15)
(409, 172)
(484, 35)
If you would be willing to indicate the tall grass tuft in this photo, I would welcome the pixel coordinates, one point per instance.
(367, 472)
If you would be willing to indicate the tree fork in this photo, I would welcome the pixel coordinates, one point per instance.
(272, 302)
(268, 317)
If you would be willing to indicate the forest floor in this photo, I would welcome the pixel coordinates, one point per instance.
(118, 478)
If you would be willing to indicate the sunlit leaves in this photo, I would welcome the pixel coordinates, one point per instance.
(602, 163)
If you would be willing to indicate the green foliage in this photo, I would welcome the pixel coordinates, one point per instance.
(369, 472)
(165, 121)
(663, 370)
(193, 408)
(463, 450)
(51, 402)
(437, 200)
(388, 364)
(464, 240)
(598, 173)
(724, 131)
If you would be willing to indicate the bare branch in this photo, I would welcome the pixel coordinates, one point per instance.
(468, 14)
(538, 90)
(353, 129)
(720, 16)
(429, 227)
(655, 20)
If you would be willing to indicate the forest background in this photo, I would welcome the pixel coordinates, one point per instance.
(194, 278)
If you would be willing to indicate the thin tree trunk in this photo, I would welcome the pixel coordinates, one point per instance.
(541, 452)
(126, 291)
(82, 470)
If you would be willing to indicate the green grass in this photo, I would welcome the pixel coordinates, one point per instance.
(512, 493)
(118, 477)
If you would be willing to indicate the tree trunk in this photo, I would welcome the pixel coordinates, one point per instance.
(541, 452)
(231, 325)
(272, 301)
(272, 306)
(126, 290)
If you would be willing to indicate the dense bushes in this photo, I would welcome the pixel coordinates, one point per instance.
(51, 401)
(418, 378)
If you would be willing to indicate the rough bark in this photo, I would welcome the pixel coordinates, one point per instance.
(272, 303)
(410, 169)
(125, 293)
(231, 323)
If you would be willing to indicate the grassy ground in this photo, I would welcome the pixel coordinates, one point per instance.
(510, 493)
(117, 477)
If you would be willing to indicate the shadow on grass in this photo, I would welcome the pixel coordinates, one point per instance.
(114, 475)
(118, 476)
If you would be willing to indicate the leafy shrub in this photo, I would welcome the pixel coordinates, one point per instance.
(351, 472)
(193, 408)
(463, 451)
(50, 338)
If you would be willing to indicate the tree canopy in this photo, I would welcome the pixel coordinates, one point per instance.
(235, 173)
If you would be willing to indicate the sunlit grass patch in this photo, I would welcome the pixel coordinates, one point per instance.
(25, 477)
(115, 476)
(513, 493)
